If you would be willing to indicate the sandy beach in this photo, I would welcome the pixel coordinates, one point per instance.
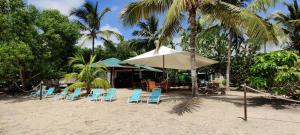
(215, 115)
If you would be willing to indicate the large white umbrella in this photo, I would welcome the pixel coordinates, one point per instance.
(169, 58)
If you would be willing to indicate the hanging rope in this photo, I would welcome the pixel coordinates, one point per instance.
(269, 95)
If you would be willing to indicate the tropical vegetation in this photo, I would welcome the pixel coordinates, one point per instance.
(89, 20)
(40, 45)
(87, 74)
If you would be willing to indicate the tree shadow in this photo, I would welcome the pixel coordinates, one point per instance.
(17, 98)
(256, 101)
(185, 103)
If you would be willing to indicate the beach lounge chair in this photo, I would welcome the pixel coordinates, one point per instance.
(75, 94)
(136, 96)
(111, 95)
(96, 93)
(155, 96)
(62, 95)
(49, 92)
(37, 92)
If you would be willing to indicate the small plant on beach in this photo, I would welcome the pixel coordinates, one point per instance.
(87, 74)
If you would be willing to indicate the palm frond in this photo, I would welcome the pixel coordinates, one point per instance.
(136, 11)
(70, 76)
(103, 12)
(172, 20)
(101, 83)
(76, 85)
(257, 28)
(109, 33)
(78, 58)
(261, 5)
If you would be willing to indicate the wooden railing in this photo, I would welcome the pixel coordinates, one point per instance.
(246, 88)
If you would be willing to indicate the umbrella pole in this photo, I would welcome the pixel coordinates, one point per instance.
(163, 67)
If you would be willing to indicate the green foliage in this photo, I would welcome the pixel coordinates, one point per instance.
(276, 71)
(258, 82)
(14, 56)
(59, 37)
(36, 44)
(87, 73)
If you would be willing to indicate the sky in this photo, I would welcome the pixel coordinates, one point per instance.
(111, 20)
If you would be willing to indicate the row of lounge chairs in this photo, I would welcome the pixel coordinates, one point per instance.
(137, 96)
(99, 95)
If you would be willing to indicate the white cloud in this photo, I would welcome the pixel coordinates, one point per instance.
(114, 8)
(64, 6)
(108, 27)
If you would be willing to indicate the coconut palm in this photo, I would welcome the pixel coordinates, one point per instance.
(149, 32)
(290, 23)
(176, 10)
(90, 21)
(87, 74)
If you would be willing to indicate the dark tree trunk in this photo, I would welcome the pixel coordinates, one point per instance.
(192, 21)
(228, 61)
(93, 46)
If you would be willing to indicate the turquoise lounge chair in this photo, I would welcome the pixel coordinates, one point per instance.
(62, 95)
(75, 94)
(38, 91)
(111, 95)
(50, 92)
(136, 96)
(155, 96)
(96, 93)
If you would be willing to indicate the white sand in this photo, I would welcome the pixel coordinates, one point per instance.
(217, 115)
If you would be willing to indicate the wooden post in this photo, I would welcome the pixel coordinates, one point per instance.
(245, 102)
(41, 91)
(163, 67)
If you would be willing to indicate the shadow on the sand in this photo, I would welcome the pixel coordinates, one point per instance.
(253, 101)
(16, 99)
(186, 104)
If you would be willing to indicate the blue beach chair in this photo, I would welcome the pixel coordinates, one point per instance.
(155, 96)
(62, 95)
(96, 93)
(75, 94)
(38, 91)
(136, 96)
(49, 92)
(111, 95)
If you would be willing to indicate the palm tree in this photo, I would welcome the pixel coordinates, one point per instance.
(90, 21)
(247, 23)
(87, 74)
(121, 50)
(291, 23)
(176, 11)
(149, 31)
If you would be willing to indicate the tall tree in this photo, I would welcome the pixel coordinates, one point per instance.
(90, 21)
(251, 21)
(177, 9)
(35, 44)
(290, 22)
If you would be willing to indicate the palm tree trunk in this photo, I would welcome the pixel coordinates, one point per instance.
(192, 21)
(228, 61)
(93, 46)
